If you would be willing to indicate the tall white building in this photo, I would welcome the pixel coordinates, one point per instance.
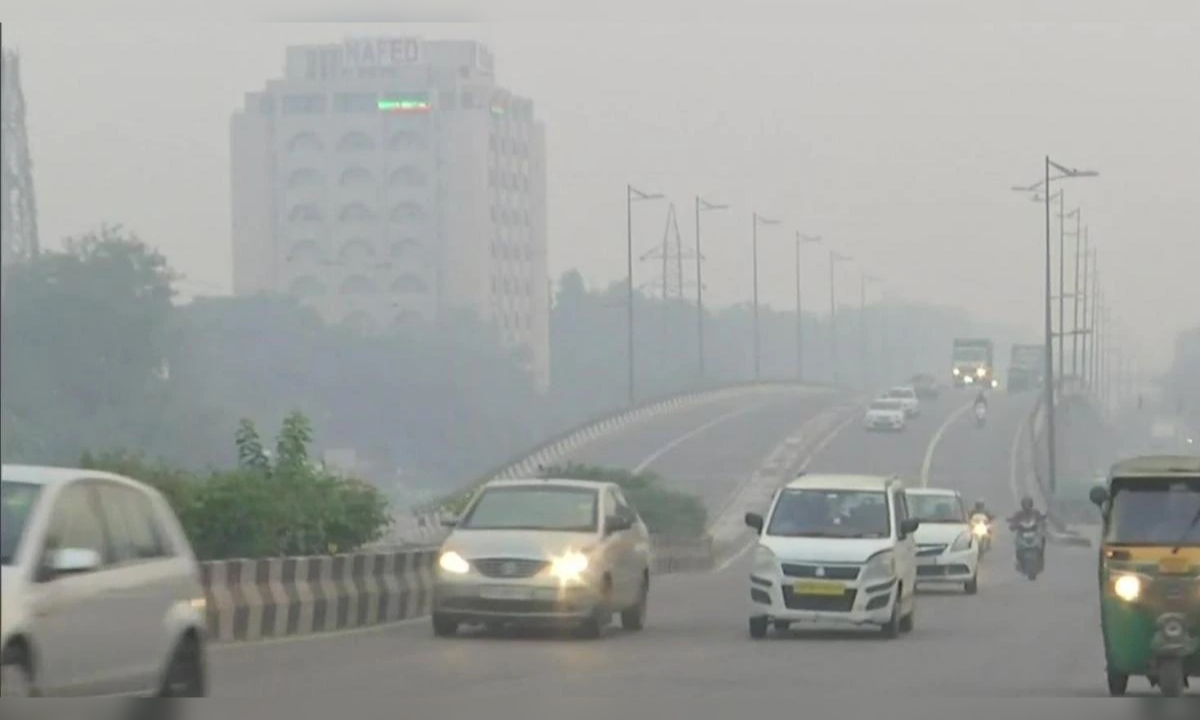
(389, 180)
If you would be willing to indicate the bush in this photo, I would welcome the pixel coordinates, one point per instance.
(268, 506)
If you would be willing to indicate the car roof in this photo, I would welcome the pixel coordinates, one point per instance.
(1156, 466)
(48, 475)
(934, 492)
(902, 388)
(551, 482)
(842, 482)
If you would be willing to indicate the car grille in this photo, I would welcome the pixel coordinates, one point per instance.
(843, 572)
(509, 567)
(931, 550)
(514, 607)
(819, 603)
(930, 571)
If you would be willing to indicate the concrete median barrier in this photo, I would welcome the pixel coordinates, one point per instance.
(257, 600)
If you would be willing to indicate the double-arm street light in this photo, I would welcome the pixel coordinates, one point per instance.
(1064, 173)
(632, 194)
(758, 220)
(702, 205)
(834, 258)
(801, 239)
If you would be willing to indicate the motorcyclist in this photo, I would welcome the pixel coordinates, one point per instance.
(1029, 512)
(980, 509)
(981, 399)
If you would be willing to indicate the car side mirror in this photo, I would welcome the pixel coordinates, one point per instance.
(754, 520)
(74, 561)
(1098, 496)
(908, 527)
(616, 524)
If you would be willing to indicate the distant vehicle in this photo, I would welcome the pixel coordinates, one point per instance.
(885, 414)
(974, 363)
(926, 386)
(1026, 368)
(834, 549)
(907, 397)
(544, 552)
(101, 591)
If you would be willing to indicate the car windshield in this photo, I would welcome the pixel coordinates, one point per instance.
(831, 514)
(534, 507)
(16, 504)
(1156, 512)
(885, 405)
(936, 508)
(900, 393)
(969, 354)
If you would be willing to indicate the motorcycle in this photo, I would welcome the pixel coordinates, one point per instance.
(980, 415)
(1031, 559)
(981, 528)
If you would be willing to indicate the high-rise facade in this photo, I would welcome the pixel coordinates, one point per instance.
(385, 181)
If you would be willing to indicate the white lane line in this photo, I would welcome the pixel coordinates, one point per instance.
(657, 454)
(927, 465)
(803, 466)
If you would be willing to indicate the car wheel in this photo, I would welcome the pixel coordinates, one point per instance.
(758, 627)
(634, 618)
(972, 586)
(185, 677)
(891, 629)
(1118, 683)
(444, 626)
(16, 673)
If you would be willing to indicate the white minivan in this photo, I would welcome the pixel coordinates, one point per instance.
(835, 550)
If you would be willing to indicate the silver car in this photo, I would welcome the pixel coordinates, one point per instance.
(544, 552)
(101, 592)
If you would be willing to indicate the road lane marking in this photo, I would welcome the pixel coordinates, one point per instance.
(657, 454)
(803, 466)
(927, 464)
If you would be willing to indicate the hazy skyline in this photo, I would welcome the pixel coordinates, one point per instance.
(898, 143)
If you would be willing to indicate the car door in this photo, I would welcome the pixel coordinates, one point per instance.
(620, 551)
(906, 549)
(72, 626)
(143, 587)
(637, 538)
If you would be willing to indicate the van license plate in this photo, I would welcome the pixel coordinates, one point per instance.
(818, 588)
(501, 592)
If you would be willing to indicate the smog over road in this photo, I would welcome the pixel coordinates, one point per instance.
(584, 365)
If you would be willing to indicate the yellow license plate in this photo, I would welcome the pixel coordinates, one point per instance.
(819, 588)
(1175, 566)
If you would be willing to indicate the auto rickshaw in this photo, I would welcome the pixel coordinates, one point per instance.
(1150, 572)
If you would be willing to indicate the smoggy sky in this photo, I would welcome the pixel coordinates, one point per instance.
(898, 142)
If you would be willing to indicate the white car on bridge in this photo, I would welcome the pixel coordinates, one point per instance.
(885, 414)
(947, 551)
(834, 550)
(906, 395)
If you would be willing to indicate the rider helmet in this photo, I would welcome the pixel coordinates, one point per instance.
(1027, 504)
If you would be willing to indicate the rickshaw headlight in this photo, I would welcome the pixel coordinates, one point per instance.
(1128, 588)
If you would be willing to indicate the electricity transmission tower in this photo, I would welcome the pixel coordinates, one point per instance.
(672, 283)
(18, 209)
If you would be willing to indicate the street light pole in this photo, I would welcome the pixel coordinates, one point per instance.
(1080, 243)
(1084, 304)
(758, 220)
(1062, 276)
(701, 205)
(631, 194)
(801, 239)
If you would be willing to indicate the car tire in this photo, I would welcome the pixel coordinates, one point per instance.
(16, 673)
(972, 586)
(634, 618)
(758, 627)
(891, 629)
(444, 626)
(185, 675)
(1118, 684)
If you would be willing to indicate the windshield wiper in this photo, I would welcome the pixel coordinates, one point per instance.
(1191, 526)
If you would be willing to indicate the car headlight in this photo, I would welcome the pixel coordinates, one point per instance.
(957, 372)
(881, 566)
(980, 529)
(1128, 588)
(453, 563)
(569, 567)
(961, 543)
(981, 372)
(765, 562)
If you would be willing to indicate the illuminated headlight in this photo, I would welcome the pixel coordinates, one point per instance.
(995, 383)
(453, 563)
(1128, 588)
(980, 529)
(880, 567)
(969, 380)
(981, 372)
(765, 562)
(957, 372)
(570, 567)
(961, 543)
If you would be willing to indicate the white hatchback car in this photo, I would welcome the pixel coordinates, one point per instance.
(947, 551)
(101, 591)
(885, 414)
(835, 549)
(907, 396)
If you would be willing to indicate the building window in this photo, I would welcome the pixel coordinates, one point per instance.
(355, 142)
(402, 248)
(304, 177)
(303, 104)
(355, 250)
(305, 142)
(409, 176)
(357, 213)
(306, 287)
(304, 251)
(305, 213)
(407, 140)
(355, 177)
(410, 285)
(357, 285)
(355, 103)
(407, 212)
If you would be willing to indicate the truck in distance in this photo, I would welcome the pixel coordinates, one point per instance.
(1026, 369)
(974, 363)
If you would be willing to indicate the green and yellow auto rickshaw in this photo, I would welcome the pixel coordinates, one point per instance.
(1150, 572)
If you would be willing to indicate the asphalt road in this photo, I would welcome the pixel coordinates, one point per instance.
(1015, 639)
